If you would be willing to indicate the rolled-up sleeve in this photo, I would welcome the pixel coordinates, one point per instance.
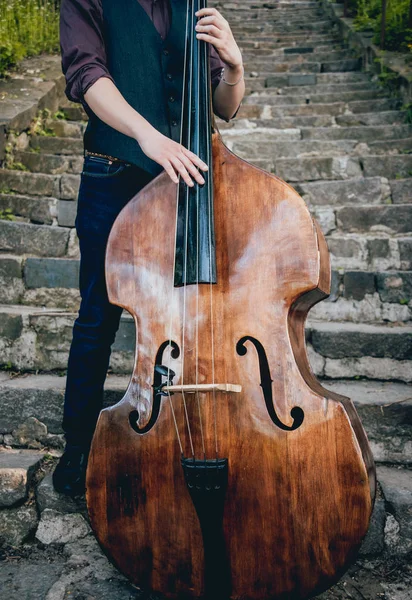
(82, 46)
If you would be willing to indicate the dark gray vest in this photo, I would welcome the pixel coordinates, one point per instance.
(148, 71)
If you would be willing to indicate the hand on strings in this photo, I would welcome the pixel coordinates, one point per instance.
(173, 157)
(212, 27)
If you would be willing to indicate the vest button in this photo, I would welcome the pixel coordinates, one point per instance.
(169, 77)
(171, 99)
(174, 123)
(166, 52)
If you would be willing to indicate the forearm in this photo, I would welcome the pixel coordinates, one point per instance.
(227, 98)
(110, 106)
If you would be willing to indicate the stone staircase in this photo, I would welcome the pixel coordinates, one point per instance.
(313, 117)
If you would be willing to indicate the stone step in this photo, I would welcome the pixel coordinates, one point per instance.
(260, 48)
(266, 61)
(72, 111)
(308, 79)
(356, 191)
(33, 208)
(260, 112)
(46, 282)
(39, 240)
(51, 164)
(369, 252)
(373, 118)
(308, 85)
(57, 145)
(63, 186)
(384, 408)
(280, 121)
(288, 38)
(261, 15)
(343, 167)
(65, 128)
(360, 132)
(296, 149)
(17, 470)
(319, 168)
(37, 210)
(322, 26)
(390, 219)
(276, 99)
(21, 181)
(39, 339)
(351, 350)
(332, 66)
(368, 297)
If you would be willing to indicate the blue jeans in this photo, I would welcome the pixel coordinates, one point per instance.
(105, 188)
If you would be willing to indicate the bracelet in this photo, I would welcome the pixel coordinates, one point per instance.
(236, 82)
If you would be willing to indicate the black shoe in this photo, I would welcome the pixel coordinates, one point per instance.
(69, 476)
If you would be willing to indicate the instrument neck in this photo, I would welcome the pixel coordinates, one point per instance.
(195, 247)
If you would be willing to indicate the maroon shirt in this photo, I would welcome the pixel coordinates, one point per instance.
(83, 47)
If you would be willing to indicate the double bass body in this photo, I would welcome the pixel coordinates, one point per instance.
(298, 501)
(278, 497)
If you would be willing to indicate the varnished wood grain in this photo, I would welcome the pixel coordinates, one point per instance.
(298, 502)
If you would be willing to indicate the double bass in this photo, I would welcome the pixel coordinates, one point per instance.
(226, 471)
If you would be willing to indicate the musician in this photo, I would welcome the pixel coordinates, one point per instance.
(124, 62)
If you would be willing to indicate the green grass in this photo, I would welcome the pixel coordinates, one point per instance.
(27, 28)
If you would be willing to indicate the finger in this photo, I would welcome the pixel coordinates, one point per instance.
(192, 169)
(195, 159)
(213, 21)
(211, 29)
(207, 11)
(171, 172)
(179, 166)
(216, 42)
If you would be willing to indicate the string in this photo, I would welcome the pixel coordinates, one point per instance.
(210, 225)
(197, 42)
(176, 226)
(187, 192)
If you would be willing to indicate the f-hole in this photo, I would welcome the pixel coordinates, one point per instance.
(266, 381)
(157, 395)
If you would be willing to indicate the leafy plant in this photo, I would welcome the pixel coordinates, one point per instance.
(17, 166)
(367, 16)
(7, 215)
(38, 125)
(60, 115)
(27, 28)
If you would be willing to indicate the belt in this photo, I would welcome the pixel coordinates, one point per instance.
(111, 158)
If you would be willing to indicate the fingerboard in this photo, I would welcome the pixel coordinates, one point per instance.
(195, 257)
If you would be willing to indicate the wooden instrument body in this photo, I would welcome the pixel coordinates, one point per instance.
(298, 502)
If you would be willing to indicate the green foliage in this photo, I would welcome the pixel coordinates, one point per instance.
(367, 16)
(7, 215)
(27, 28)
(403, 301)
(60, 115)
(38, 125)
(17, 166)
(408, 109)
